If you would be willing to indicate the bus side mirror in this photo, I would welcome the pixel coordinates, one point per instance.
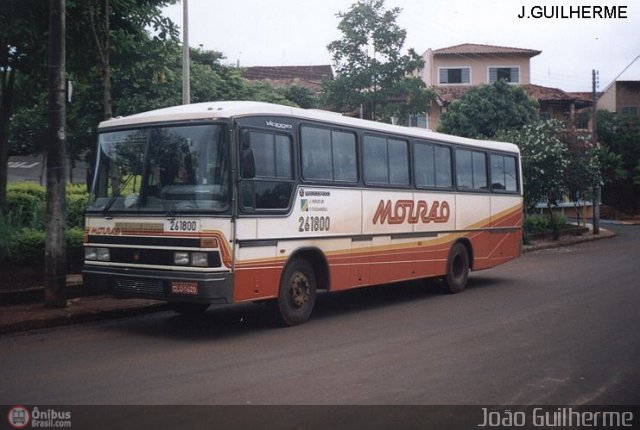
(88, 179)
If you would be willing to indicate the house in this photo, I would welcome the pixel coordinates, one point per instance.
(621, 97)
(452, 71)
(306, 76)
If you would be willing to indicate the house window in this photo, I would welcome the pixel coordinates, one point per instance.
(508, 74)
(419, 120)
(455, 75)
(629, 110)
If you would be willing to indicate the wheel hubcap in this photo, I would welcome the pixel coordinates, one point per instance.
(299, 290)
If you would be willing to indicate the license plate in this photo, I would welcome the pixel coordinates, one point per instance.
(190, 288)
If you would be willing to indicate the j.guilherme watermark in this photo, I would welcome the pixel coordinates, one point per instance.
(574, 12)
(556, 418)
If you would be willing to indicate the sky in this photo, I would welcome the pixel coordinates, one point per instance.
(297, 32)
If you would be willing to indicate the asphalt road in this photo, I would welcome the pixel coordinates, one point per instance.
(554, 327)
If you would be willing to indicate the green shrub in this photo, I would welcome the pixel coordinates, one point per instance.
(537, 223)
(27, 246)
(74, 238)
(25, 210)
(541, 223)
(76, 205)
(76, 189)
(30, 188)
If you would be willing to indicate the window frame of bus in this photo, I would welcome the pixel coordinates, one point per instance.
(387, 137)
(330, 129)
(292, 180)
(472, 189)
(414, 159)
(515, 158)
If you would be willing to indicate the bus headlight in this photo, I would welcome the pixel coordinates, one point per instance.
(103, 254)
(181, 258)
(90, 254)
(199, 259)
(96, 254)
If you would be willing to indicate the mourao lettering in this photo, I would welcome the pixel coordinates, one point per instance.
(412, 212)
(279, 125)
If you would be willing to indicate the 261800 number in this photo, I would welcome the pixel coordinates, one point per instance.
(314, 223)
(182, 225)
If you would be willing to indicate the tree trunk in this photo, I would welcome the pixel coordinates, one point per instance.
(8, 81)
(106, 66)
(56, 248)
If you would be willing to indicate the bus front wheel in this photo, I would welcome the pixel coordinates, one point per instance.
(297, 293)
(457, 269)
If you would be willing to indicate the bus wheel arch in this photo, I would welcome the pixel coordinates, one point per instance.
(459, 263)
(306, 271)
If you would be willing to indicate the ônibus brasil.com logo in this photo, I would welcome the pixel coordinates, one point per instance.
(19, 417)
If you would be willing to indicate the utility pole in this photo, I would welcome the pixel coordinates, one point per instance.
(186, 75)
(594, 136)
(55, 269)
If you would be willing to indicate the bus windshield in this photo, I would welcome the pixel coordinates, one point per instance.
(170, 169)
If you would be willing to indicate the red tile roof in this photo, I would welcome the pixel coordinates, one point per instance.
(447, 94)
(472, 48)
(284, 73)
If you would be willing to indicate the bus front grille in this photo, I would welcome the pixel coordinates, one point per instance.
(138, 286)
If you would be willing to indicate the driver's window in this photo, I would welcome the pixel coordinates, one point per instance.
(266, 167)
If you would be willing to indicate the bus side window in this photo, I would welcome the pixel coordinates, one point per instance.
(266, 170)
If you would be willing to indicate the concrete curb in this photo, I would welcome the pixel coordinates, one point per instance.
(568, 241)
(48, 318)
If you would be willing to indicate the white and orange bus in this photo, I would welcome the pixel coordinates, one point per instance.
(231, 202)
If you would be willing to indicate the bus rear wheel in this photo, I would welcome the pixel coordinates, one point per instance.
(457, 269)
(297, 293)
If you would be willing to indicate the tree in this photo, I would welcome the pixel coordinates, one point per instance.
(620, 136)
(22, 63)
(136, 27)
(486, 110)
(370, 67)
(56, 250)
(544, 164)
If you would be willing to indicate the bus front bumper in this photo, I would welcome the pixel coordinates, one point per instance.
(172, 286)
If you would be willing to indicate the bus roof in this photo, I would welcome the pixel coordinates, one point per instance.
(233, 109)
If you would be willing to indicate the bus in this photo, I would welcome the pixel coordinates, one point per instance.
(235, 202)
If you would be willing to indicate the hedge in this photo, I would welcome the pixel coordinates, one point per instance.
(28, 245)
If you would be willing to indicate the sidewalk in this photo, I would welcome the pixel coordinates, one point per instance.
(22, 317)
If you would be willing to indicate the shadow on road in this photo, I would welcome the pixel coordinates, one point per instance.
(232, 321)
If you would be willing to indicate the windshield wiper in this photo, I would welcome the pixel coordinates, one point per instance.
(117, 194)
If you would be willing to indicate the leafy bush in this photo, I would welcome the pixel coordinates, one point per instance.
(25, 210)
(542, 223)
(23, 224)
(30, 188)
(27, 246)
(26, 204)
(537, 223)
(76, 205)
(76, 189)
